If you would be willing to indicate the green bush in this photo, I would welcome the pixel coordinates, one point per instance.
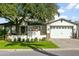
(43, 39)
(36, 39)
(19, 39)
(9, 40)
(23, 40)
(14, 39)
(27, 40)
(32, 40)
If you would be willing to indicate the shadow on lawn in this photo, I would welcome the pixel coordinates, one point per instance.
(10, 44)
(35, 48)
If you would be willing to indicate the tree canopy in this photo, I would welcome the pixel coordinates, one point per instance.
(41, 11)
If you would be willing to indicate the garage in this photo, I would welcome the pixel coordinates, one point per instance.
(61, 31)
(62, 28)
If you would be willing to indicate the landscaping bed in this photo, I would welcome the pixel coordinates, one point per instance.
(23, 45)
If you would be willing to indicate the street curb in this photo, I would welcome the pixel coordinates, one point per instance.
(54, 49)
(61, 49)
(16, 50)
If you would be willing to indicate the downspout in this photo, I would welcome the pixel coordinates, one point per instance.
(77, 31)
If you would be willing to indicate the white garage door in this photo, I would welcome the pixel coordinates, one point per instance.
(61, 32)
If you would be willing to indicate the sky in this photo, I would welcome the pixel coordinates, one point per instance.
(69, 11)
(3, 20)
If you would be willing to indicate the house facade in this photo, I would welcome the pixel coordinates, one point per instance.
(60, 28)
(27, 29)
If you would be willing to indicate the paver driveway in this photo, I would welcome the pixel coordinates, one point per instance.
(67, 43)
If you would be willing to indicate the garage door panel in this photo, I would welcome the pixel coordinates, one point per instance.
(61, 33)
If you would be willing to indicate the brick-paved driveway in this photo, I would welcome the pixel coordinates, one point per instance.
(67, 43)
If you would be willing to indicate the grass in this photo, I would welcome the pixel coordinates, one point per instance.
(23, 45)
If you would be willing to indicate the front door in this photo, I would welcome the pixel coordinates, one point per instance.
(22, 29)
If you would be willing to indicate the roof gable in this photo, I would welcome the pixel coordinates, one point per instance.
(62, 21)
(23, 22)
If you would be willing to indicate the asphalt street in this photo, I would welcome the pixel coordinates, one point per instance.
(40, 53)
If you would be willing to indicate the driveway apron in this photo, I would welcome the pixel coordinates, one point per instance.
(67, 43)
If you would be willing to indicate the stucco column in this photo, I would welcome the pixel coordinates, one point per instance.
(48, 31)
(48, 35)
(77, 33)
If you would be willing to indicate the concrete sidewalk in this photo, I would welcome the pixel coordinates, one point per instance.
(48, 52)
(53, 49)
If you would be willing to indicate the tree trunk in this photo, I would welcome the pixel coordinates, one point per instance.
(4, 32)
(17, 27)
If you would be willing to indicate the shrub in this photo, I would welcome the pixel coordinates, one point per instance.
(23, 40)
(14, 39)
(32, 40)
(36, 39)
(9, 40)
(43, 39)
(27, 40)
(19, 39)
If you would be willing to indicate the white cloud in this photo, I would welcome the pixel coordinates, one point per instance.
(63, 16)
(66, 17)
(73, 17)
(77, 6)
(71, 5)
(60, 10)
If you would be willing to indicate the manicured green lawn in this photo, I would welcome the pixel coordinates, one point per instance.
(19, 45)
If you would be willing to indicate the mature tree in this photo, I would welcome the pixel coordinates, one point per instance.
(41, 12)
(34, 11)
